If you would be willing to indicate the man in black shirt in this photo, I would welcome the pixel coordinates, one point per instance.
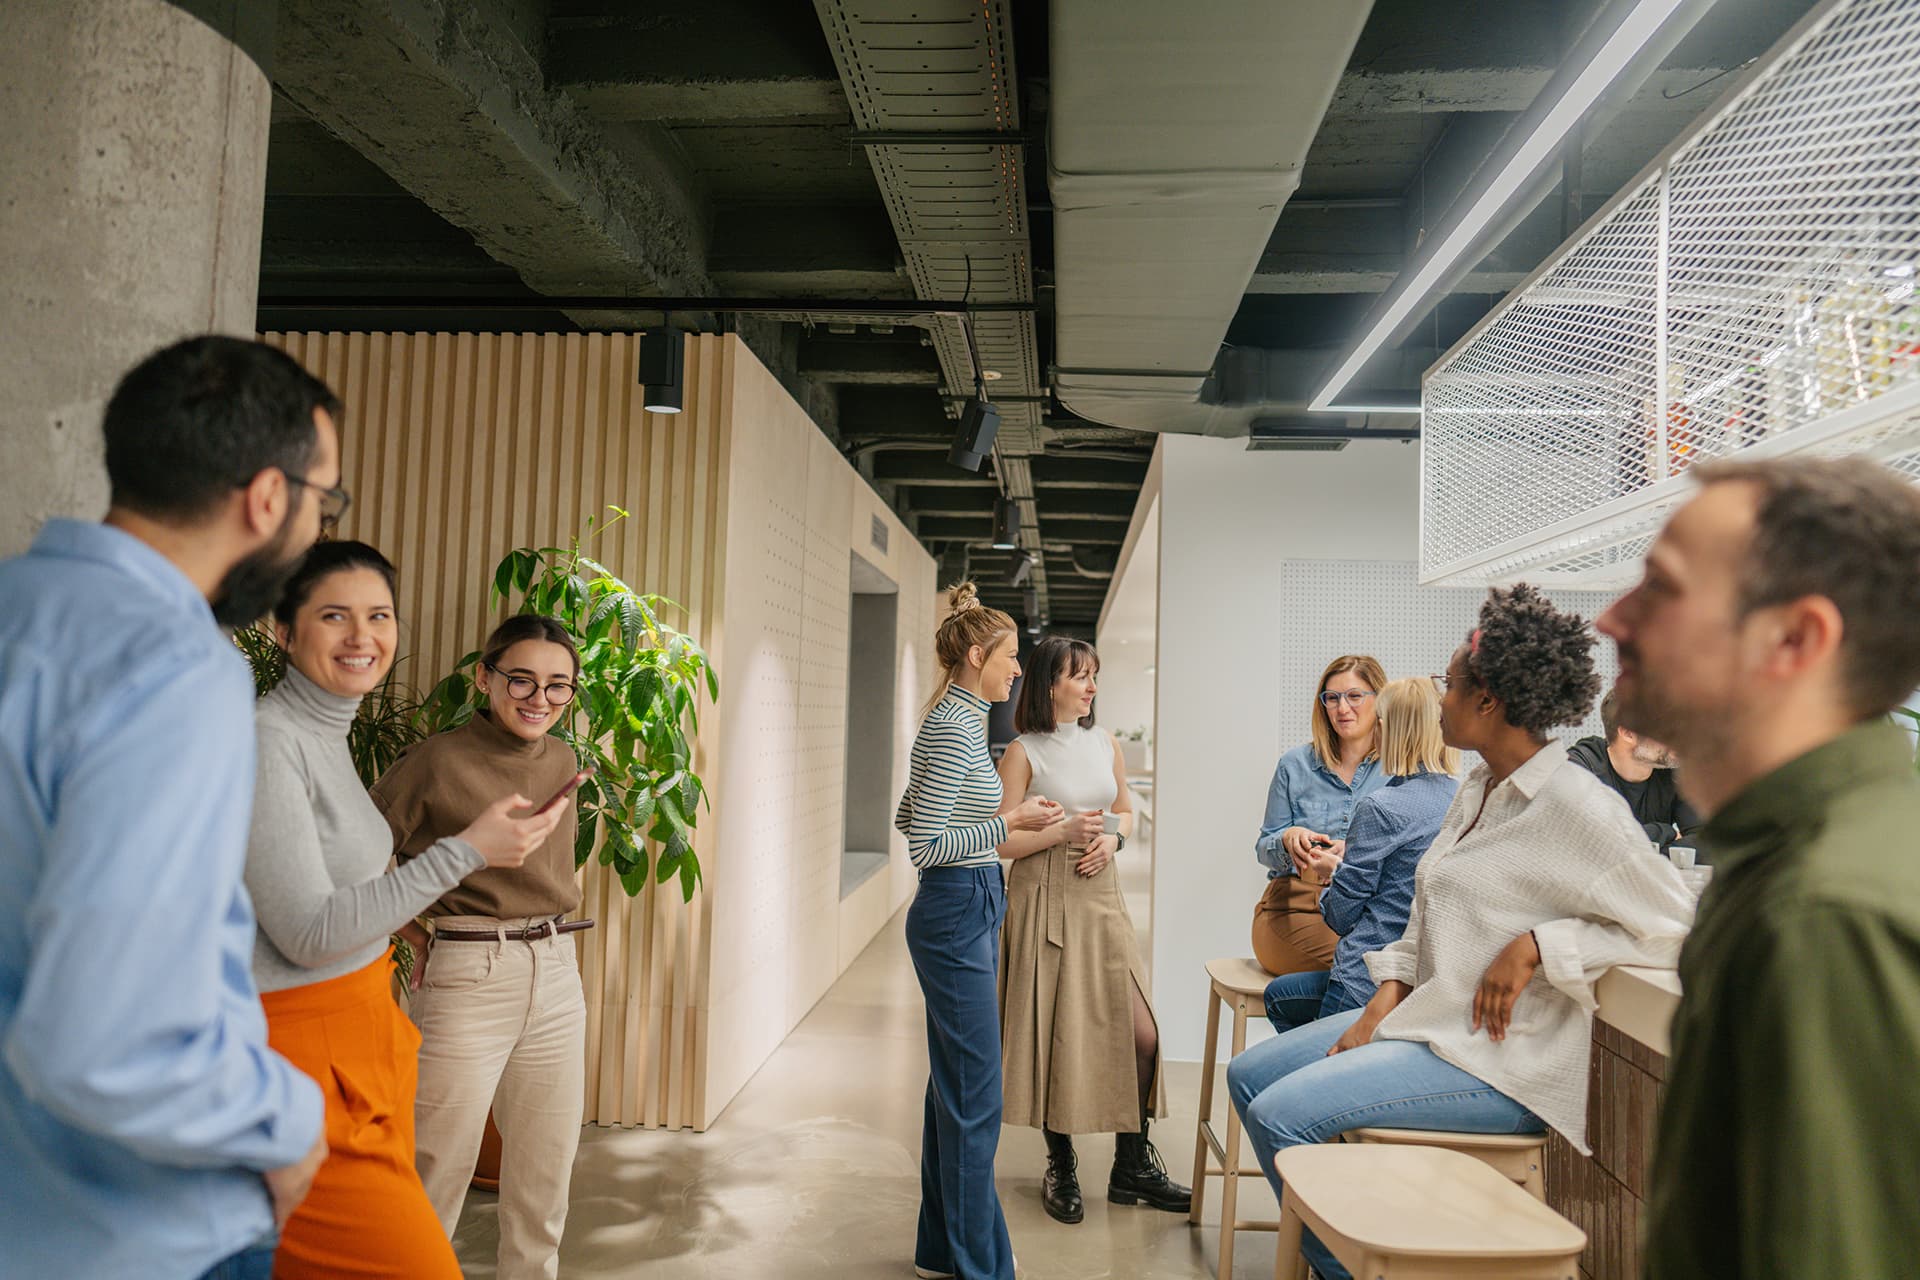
(1641, 770)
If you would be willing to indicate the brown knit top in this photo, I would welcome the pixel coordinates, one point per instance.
(441, 785)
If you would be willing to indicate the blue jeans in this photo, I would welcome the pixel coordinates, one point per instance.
(1289, 1092)
(953, 934)
(255, 1262)
(1295, 999)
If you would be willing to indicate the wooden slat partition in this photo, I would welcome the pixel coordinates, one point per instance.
(459, 447)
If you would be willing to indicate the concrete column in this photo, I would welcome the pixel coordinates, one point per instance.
(132, 183)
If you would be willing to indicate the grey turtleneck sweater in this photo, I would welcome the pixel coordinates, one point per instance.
(317, 858)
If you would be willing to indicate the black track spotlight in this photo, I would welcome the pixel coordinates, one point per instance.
(973, 441)
(1022, 570)
(1032, 601)
(1006, 525)
(662, 365)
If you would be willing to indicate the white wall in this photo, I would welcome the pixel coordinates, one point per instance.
(1228, 520)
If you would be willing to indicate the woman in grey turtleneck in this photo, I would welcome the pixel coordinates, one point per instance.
(326, 904)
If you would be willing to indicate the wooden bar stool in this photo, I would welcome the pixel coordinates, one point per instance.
(1518, 1157)
(1395, 1212)
(1240, 985)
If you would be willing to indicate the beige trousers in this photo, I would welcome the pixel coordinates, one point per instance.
(503, 1025)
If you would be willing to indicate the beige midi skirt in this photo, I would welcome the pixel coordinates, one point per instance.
(1069, 965)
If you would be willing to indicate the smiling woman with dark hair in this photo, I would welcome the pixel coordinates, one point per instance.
(1537, 883)
(1073, 1005)
(326, 904)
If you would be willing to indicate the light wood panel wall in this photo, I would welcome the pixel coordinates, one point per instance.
(461, 447)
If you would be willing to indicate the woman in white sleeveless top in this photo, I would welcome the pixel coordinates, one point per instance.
(1081, 1051)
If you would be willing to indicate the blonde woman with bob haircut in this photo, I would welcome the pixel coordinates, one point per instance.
(949, 816)
(1369, 884)
(1309, 804)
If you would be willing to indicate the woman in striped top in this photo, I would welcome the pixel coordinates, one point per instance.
(953, 933)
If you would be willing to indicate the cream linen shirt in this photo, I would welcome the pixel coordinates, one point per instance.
(1555, 852)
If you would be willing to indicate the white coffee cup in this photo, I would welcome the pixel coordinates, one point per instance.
(1682, 856)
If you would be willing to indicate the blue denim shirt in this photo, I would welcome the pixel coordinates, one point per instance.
(1305, 793)
(1371, 893)
(139, 1103)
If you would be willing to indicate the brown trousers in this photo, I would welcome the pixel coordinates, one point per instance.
(1288, 934)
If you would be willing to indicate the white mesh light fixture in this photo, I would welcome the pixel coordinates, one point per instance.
(1750, 292)
(1629, 37)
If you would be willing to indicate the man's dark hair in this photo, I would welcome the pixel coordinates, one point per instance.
(327, 558)
(1610, 716)
(1052, 658)
(1847, 529)
(196, 420)
(1535, 659)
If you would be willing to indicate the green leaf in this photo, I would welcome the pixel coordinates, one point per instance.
(525, 562)
(641, 694)
(643, 806)
(690, 792)
(583, 841)
(689, 877)
(503, 575)
(634, 881)
(713, 684)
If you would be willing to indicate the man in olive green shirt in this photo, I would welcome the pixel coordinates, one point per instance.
(1778, 622)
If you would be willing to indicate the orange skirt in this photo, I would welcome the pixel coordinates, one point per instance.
(367, 1215)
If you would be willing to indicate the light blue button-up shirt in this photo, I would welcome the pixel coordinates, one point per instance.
(139, 1103)
(1305, 793)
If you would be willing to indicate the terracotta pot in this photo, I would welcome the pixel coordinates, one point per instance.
(486, 1172)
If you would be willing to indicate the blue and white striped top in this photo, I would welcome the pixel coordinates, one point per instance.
(947, 813)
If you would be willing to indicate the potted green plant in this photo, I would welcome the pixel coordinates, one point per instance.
(639, 709)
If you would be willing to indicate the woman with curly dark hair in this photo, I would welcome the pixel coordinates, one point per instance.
(1538, 883)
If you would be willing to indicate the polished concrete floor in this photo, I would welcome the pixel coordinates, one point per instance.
(813, 1172)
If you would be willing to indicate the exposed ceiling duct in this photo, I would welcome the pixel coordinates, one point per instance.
(1175, 137)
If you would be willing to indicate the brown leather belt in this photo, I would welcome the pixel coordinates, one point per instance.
(535, 933)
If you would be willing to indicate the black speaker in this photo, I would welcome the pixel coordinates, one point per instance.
(979, 424)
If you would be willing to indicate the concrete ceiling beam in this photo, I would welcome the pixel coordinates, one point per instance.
(674, 63)
(875, 364)
(450, 101)
(788, 250)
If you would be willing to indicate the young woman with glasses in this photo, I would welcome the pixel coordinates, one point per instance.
(501, 1014)
(1370, 883)
(1309, 803)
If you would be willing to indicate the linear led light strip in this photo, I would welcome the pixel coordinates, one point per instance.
(1549, 133)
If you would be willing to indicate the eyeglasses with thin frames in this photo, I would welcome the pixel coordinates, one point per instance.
(333, 500)
(521, 688)
(1352, 697)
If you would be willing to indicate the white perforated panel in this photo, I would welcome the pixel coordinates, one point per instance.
(1377, 607)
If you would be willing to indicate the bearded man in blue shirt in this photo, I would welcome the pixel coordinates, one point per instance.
(146, 1129)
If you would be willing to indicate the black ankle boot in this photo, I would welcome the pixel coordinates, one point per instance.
(1139, 1176)
(1060, 1189)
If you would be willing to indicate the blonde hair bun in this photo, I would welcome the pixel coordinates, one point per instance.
(962, 597)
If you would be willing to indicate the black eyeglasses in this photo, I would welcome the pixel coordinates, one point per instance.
(1352, 697)
(333, 501)
(521, 688)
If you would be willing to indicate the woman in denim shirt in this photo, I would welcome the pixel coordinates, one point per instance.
(1309, 803)
(1369, 889)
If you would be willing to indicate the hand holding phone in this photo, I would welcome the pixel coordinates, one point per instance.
(573, 784)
